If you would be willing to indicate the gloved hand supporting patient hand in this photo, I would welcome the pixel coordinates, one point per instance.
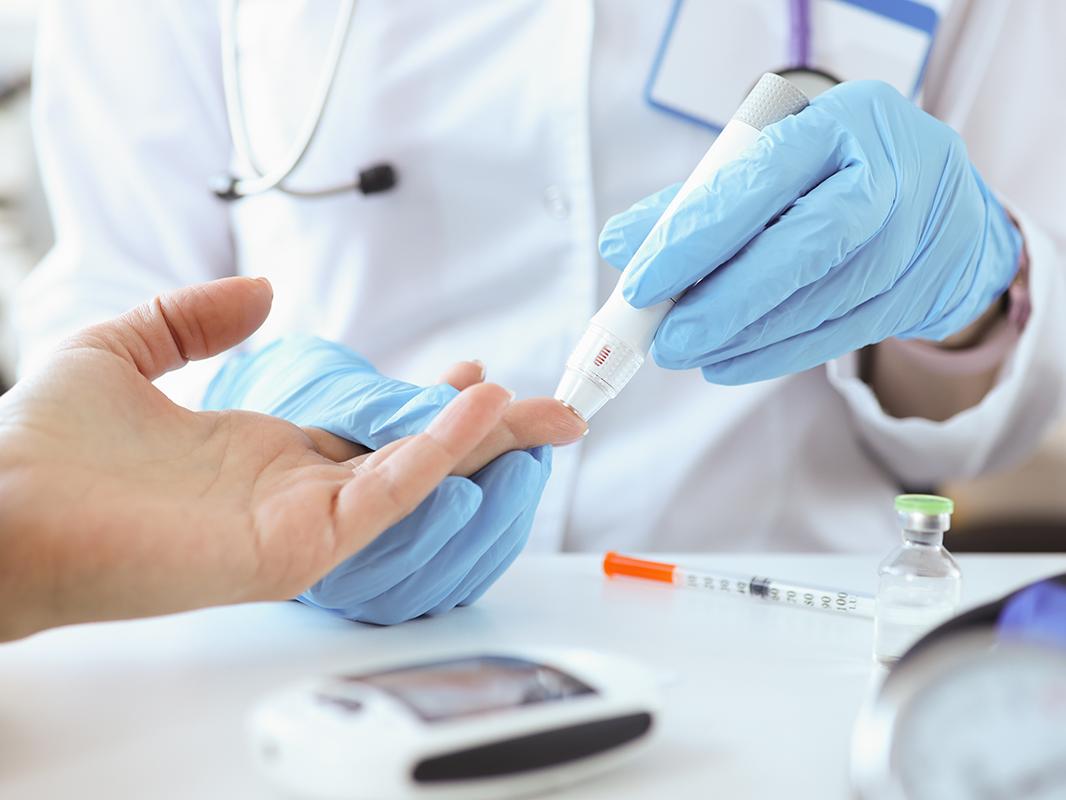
(858, 219)
(463, 537)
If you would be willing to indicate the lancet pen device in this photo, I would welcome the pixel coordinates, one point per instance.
(619, 336)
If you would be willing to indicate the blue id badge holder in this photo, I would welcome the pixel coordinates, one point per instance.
(712, 53)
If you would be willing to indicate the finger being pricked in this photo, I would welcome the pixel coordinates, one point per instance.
(526, 424)
(461, 375)
(389, 484)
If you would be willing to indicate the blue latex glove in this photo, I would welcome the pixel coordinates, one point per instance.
(1036, 614)
(858, 219)
(455, 544)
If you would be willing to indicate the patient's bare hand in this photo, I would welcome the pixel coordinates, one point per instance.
(115, 502)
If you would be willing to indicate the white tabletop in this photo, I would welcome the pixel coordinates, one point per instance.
(760, 704)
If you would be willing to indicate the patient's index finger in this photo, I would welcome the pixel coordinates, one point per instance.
(385, 490)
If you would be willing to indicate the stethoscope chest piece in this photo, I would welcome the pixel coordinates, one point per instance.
(377, 178)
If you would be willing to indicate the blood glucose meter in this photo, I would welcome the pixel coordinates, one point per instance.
(474, 726)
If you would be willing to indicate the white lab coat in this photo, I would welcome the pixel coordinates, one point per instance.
(517, 128)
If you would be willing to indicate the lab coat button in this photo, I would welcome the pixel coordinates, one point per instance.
(556, 203)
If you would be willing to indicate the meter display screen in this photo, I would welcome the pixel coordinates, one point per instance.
(445, 690)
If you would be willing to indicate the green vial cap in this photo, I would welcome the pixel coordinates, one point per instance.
(929, 504)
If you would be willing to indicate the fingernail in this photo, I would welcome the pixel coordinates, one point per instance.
(512, 395)
(481, 366)
(575, 440)
(266, 283)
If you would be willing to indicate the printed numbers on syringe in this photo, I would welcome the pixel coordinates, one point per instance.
(844, 602)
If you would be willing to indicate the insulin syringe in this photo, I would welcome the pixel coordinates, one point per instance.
(771, 590)
(619, 336)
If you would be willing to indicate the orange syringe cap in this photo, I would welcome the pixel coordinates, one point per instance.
(618, 564)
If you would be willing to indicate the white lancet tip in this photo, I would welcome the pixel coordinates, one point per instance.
(580, 394)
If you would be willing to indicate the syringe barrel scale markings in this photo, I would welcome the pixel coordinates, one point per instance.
(787, 593)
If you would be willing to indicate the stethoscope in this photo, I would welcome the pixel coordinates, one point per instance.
(376, 178)
(382, 177)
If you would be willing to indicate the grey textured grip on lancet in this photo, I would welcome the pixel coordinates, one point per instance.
(772, 99)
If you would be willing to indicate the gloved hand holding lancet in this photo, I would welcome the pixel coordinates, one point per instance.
(619, 336)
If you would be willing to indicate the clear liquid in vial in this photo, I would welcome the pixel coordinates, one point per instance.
(908, 607)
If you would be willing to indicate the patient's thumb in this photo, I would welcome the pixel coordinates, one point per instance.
(185, 325)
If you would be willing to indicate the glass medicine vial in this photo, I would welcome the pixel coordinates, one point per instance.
(919, 584)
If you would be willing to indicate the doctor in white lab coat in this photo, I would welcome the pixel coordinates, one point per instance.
(517, 129)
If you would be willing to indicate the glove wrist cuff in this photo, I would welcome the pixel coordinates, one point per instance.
(992, 347)
(994, 339)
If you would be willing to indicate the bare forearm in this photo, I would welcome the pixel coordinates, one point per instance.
(909, 381)
(937, 380)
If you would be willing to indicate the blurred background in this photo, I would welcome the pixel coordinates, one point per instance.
(1022, 510)
(25, 233)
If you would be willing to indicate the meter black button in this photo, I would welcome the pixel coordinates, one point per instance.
(535, 751)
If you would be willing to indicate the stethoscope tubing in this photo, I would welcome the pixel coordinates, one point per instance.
(265, 180)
